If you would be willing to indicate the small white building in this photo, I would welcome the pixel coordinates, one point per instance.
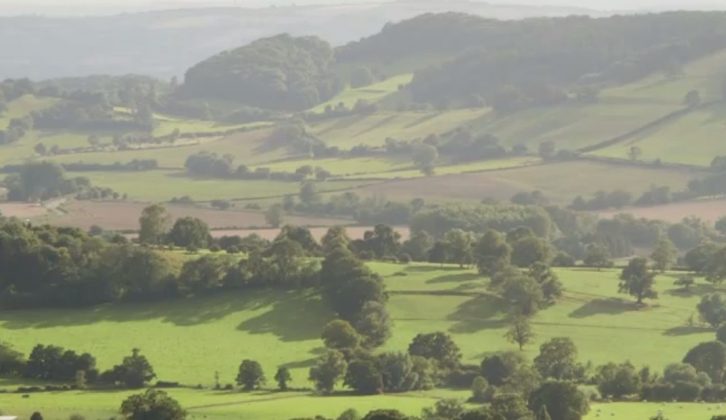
(8, 417)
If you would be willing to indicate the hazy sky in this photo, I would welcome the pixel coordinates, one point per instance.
(53, 7)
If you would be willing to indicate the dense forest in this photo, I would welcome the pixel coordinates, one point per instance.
(281, 72)
(510, 64)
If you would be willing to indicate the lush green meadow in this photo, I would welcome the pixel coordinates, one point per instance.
(190, 340)
(205, 404)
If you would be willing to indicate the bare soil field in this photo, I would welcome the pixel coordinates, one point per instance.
(124, 215)
(708, 210)
(22, 210)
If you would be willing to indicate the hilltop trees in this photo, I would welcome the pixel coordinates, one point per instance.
(637, 280)
(280, 72)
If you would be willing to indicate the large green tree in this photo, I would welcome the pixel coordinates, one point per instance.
(154, 223)
(637, 280)
(154, 404)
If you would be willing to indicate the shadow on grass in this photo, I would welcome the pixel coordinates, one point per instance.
(297, 318)
(290, 315)
(610, 306)
(687, 330)
(454, 278)
(699, 289)
(479, 313)
(430, 268)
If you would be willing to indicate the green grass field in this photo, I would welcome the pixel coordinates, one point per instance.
(188, 341)
(371, 93)
(694, 139)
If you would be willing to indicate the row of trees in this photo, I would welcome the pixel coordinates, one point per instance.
(45, 180)
(56, 364)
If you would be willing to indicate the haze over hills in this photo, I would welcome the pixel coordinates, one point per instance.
(166, 43)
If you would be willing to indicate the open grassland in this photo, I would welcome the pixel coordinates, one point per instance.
(280, 406)
(371, 93)
(124, 215)
(283, 328)
(189, 340)
(373, 130)
(592, 313)
(693, 139)
(161, 185)
(222, 405)
(560, 182)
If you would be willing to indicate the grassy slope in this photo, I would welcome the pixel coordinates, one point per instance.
(371, 93)
(372, 130)
(693, 139)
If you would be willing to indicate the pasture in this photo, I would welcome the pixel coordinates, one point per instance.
(190, 340)
(372, 93)
(693, 139)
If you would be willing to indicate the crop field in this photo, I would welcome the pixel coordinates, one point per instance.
(560, 182)
(460, 168)
(161, 185)
(372, 130)
(693, 139)
(188, 341)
